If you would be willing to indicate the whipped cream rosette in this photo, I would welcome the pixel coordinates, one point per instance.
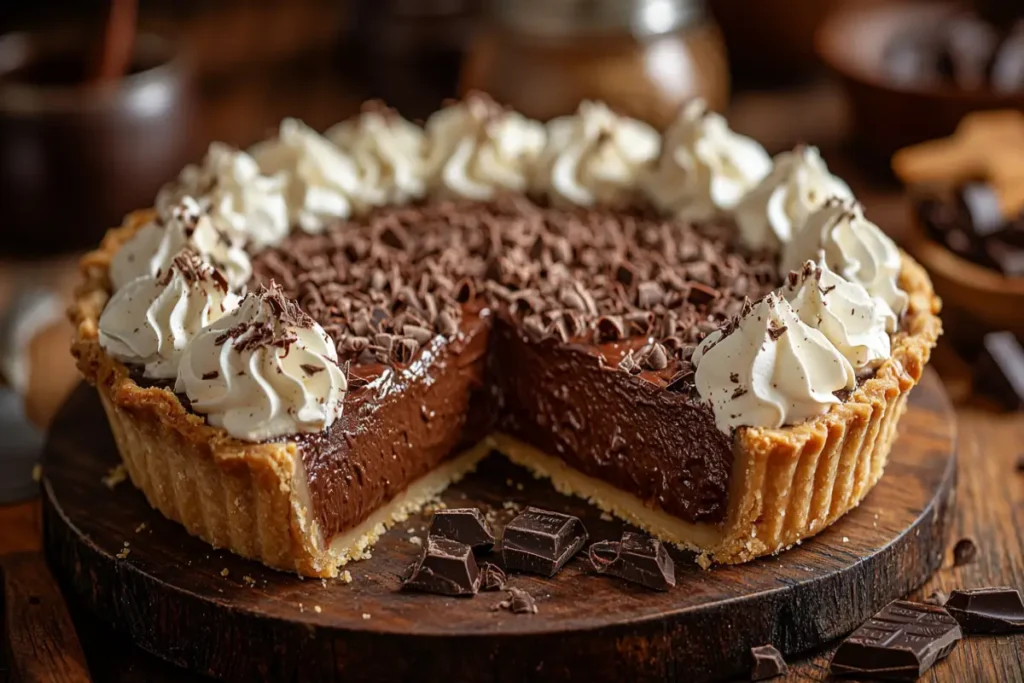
(476, 148)
(705, 168)
(857, 323)
(152, 248)
(595, 157)
(387, 152)
(769, 368)
(151, 320)
(777, 208)
(264, 370)
(854, 247)
(240, 200)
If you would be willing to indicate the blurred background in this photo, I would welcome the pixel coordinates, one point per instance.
(103, 102)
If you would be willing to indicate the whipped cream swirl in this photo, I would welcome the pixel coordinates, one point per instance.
(264, 370)
(152, 319)
(705, 168)
(152, 248)
(799, 184)
(595, 157)
(769, 369)
(247, 205)
(854, 247)
(476, 148)
(387, 152)
(324, 183)
(856, 323)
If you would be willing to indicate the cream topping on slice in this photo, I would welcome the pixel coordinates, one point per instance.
(388, 153)
(476, 148)
(264, 370)
(595, 157)
(151, 320)
(856, 323)
(705, 168)
(249, 206)
(854, 247)
(768, 369)
(152, 248)
(324, 183)
(776, 209)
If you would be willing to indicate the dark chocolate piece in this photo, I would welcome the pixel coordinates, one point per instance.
(518, 602)
(492, 577)
(899, 643)
(446, 568)
(1000, 369)
(937, 597)
(541, 541)
(987, 610)
(465, 525)
(964, 552)
(983, 208)
(768, 663)
(637, 558)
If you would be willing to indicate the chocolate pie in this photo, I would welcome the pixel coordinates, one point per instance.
(304, 343)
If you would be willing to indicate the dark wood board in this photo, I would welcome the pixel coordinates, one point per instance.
(169, 595)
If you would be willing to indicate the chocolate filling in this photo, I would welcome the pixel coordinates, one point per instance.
(570, 330)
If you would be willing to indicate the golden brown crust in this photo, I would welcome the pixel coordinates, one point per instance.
(787, 484)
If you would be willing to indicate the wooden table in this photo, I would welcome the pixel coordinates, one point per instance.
(990, 491)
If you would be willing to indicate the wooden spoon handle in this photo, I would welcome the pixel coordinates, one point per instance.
(42, 643)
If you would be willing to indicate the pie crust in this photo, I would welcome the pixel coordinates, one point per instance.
(787, 484)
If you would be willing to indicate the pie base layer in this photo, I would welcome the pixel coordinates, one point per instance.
(786, 485)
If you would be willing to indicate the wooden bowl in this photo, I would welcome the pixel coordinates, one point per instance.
(975, 299)
(888, 116)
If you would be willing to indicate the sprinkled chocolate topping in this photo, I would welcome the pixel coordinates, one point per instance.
(277, 332)
(384, 286)
(193, 269)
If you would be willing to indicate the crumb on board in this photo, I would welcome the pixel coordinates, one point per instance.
(249, 580)
(323, 582)
(124, 552)
(115, 476)
(366, 615)
(605, 517)
(224, 572)
(346, 576)
(416, 540)
(318, 609)
(37, 473)
(140, 528)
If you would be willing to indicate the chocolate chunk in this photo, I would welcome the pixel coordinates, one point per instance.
(964, 552)
(768, 663)
(983, 208)
(518, 602)
(541, 541)
(465, 525)
(493, 578)
(937, 597)
(637, 558)
(446, 568)
(899, 643)
(1000, 369)
(987, 610)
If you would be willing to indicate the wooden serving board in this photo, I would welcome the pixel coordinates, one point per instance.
(218, 614)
